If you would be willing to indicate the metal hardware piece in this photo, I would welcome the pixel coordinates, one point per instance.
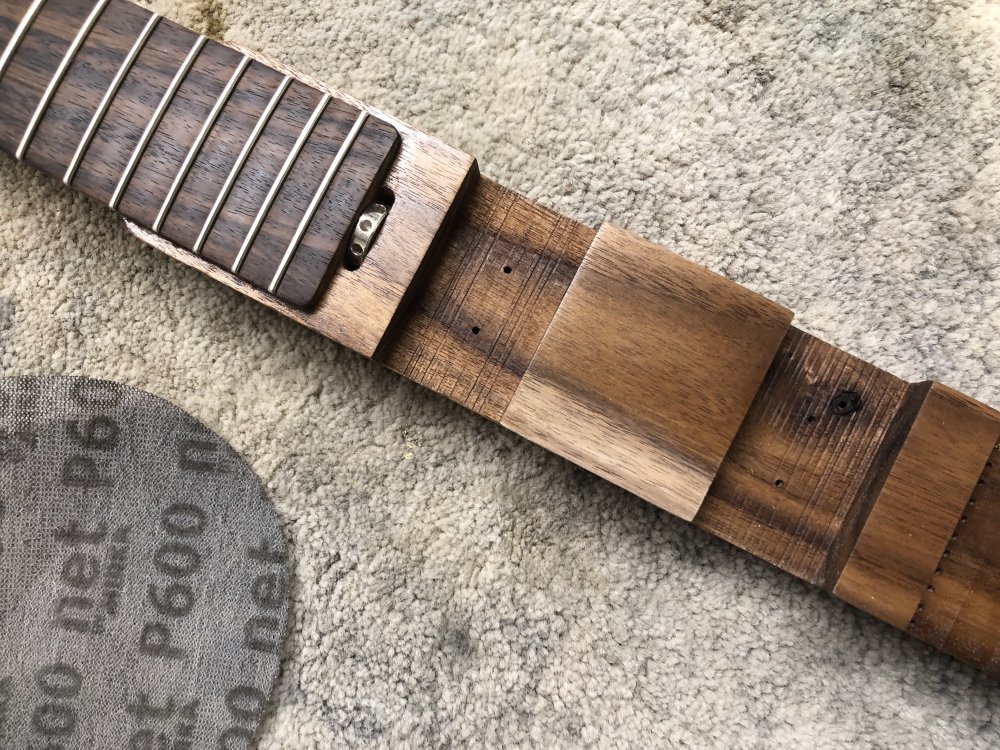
(367, 228)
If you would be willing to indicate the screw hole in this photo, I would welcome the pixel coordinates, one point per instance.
(930, 589)
(779, 483)
(965, 519)
(845, 403)
(810, 419)
(507, 269)
(475, 330)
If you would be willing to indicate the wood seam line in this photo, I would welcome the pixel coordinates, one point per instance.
(968, 516)
(886, 454)
(928, 485)
(647, 370)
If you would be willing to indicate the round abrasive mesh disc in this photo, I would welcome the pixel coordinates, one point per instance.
(143, 588)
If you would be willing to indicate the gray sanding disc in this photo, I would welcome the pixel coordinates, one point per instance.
(143, 585)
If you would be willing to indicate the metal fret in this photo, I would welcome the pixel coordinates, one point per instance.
(50, 90)
(279, 181)
(109, 95)
(313, 207)
(241, 161)
(154, 123)
(196, 147)
(19, 33)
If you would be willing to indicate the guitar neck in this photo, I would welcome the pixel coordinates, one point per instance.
(677, 384)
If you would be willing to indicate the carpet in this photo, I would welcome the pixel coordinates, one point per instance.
(453, 585)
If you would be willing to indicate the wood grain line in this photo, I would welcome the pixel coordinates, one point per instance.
(919, 504)
(960, 606)
(796, 477)
(496, 285)
(647, 370)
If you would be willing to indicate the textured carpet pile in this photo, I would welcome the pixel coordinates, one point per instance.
(455, 586)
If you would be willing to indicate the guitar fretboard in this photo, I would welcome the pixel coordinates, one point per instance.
(255, 171)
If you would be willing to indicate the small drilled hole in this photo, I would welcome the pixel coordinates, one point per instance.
(965, 519)
(938, 572)
(810, 419)
(972, 502)
(475, 330)
(779, 483)
(930, 589)
(357, 249)
(845, 403)
(946, 553)
(366, 225)
(507, 269)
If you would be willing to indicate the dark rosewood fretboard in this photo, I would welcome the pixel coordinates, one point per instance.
(257, 172)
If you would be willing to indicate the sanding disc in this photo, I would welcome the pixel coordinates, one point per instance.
(143, 584)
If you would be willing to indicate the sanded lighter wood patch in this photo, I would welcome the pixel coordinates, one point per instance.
(647, 370)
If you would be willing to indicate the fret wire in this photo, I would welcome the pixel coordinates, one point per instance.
(154, 123)
(279, 181)
(19, 33)
(238, 165)
(57, 79)
(109, 95)
(196, 147)
(314, 204)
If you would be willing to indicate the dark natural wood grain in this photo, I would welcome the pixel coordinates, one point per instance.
(357, 308)
(918, 504)
(960, 607)
(90, 75)
(477, 321)
(194, 100)
(647, 370)
(69, 113)
(259, 175)
(800, 472)
(213, 164)
(829, 451)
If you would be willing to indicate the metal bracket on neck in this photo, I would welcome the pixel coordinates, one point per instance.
(365, 231)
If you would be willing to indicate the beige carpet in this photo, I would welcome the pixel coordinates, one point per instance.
(454, 586)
